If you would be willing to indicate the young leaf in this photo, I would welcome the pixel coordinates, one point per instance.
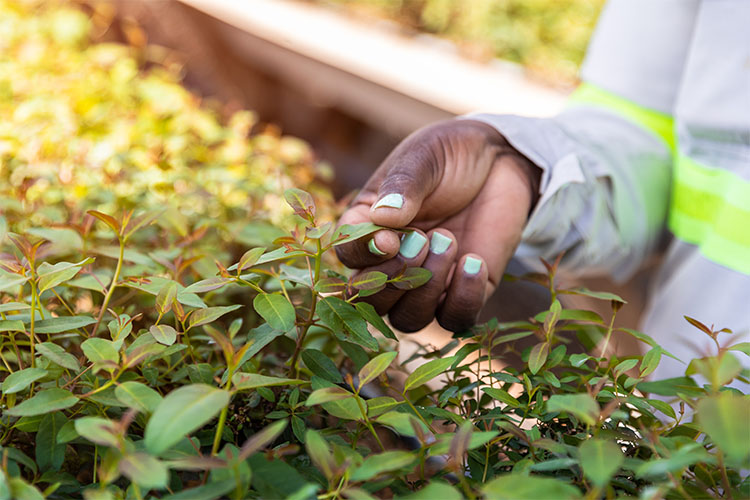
(427, 372)
(276, 310)
(412, 278)
(369, 280)
(181, 412)
(249, 258)
(350, 232)
(375, 367)
(165, 297)
(45, 401)
(163, 334)
(502, 396)
(107, 219)
(301, 202)
(208, 285)
(330, 285)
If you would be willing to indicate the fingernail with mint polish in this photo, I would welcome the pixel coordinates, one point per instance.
(393, 200)
(374, 248)
(412, 244)
(439, 243)
(472, 265)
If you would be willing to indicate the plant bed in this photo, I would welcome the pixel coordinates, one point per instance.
(174, 325)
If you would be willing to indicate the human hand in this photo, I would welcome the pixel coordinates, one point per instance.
(467, 194)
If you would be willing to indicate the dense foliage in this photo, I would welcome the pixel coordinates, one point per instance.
(172, 326)
(548, 37)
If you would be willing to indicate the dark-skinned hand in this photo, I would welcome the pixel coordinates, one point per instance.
(466, 194)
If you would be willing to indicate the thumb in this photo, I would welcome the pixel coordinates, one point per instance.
(408, 176)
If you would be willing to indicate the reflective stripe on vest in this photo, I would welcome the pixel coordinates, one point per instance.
(710, 207)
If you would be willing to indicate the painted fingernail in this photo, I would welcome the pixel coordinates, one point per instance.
(472, 265)
(439, 243)
(374, 248)
(393, 200)
(412, 244)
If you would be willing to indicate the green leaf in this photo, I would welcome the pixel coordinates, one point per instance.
(435, 490)
(346, 409)
(538, 356)
(301, 202)
(164, 334)
(208, 315)
(52, 275)
(98, 430)
(339, 315)
(595, 295)
(650, 361)
(600, 460)
(321, 365)
(427, 372)
(367, 311)
(375, 367)
(412, 278)
(249, 258)
(578, 360)
(330, 285)
(663, 407)
(319, 452)
(181, 412)
(14, 306)
(477, 439)
(210, 491)
(350, 232)
(63, 324)
(572, 315)
(583, 406)
(21, 490)
(725, 418)
(276, 310)
(139, 396)
(678, 460)
(743, 347)
(648, 340)
(97, 349)
(208, 285)
(369, 280)
(57, 355)
(20, 380)
(11, 282)
(526, 487)
(49, 453)
(259, 338)
(165, 297)
(45, 401)
(379, 405)
(624, 366)
(144, 470)
(383, 462)
(315, 233)
(12, 325)
(402, 423)
(670, 386)
(502, 396)
(67, 432)
(245, 381)
(262, 438)
(327, 394)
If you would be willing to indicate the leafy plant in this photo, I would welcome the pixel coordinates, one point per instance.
(142, 361)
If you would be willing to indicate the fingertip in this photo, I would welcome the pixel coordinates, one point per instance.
(392, 210)
(384, 244)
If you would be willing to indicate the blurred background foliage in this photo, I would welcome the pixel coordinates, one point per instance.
(548, 37)
(108, 126)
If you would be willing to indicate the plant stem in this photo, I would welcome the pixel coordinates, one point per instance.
(419, 415)
(219, 430)
(112, 287)
(32, 339)
(313, 304)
